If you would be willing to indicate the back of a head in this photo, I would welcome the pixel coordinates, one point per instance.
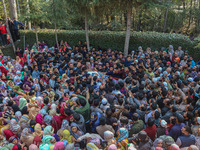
(102, 121)
(135, 117)
(188, 129)
(82, 101)
(150, 121)
(76, 116)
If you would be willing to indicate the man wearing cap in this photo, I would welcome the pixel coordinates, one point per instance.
(95, 121)
(186, 139)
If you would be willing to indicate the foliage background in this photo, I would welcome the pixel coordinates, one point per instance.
(113, 40)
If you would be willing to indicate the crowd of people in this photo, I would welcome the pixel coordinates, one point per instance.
(71, 98)
(13, 26)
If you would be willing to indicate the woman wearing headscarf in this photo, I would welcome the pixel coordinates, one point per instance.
(157, 143)
(56, 122)
(22, 103)
(10, 85)
(75, 131)
(46, 140)
(91, 146)
(39, 119)
(48, 130)
(66, 138)
(112, 147)
(18, 91)
(109, 137)
(59, 146)
(14, 126)
(18, 115)
(65, 125)
(10, 67)
(37, 141)
(24, 121)
(8, 133)
(33, 113)
(122, 139)
(26, 137)
(38, 130)
(33, 147)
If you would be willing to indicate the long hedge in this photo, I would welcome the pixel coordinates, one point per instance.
(113, 39)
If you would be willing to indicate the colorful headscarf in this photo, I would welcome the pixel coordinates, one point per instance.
(75, 135)
(52, 112)
(37, 141)
(65, 125)
(46, 140)
(14, 126)
(112, 147)
(33, 147)
(59, 146)
(18, 115)
(155, 143)
(25, 133)
(38, 130)
(48, 120)
(66, 136)
(108, 136)
(48, 130)
(91, 146)
(39, 119)
(22, 103)
(123, 134)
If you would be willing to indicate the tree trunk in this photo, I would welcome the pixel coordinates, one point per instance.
(36, 35)
(133, 23)
(139, 20)
(183, 4)
(13, 9)
(190, 15)
(56, 35)
(7, 27)
(166, 17)
(86, 32)
(19, 12)
(28, 9)
(128, 29)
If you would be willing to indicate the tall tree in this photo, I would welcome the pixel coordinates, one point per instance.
(56, 11)
(128, 28)
(36, 15)
(83, 8)
(13, 9)
(7, 27)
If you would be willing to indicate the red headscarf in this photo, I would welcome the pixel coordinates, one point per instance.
(8, 133)
(37, 141)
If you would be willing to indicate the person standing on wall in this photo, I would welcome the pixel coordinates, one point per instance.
(11, 28)
(3, 33)
(16, 28)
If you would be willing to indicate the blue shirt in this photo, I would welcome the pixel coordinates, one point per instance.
(16, 24)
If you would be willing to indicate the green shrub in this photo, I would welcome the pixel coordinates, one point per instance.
(113, 39)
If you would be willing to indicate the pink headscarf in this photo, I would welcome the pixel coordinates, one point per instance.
(158, 148)
(59, 146)
(175, 147)
(33, 147)
(39, 119)
(63, 104)
(112, 147)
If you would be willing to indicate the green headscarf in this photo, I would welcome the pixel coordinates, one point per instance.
(46, 140)
(22, 103)
(48, 130)
(7, 147)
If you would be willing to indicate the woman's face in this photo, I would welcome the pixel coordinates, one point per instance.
(74, 129)
(159, 144)
(14, 141)
(36, 81)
